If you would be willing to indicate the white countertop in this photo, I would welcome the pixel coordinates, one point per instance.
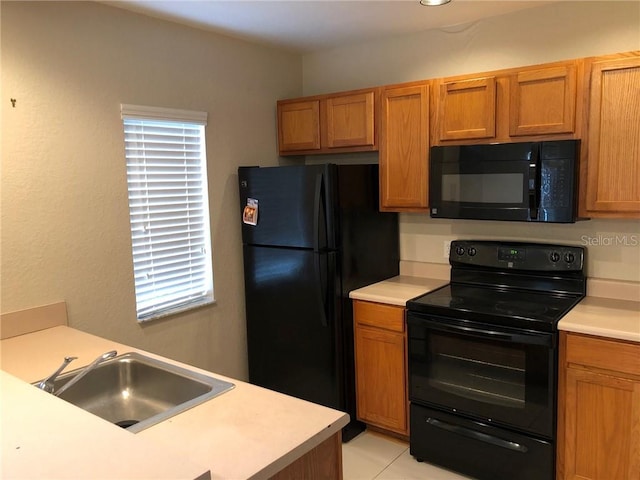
(247, 432)
(604, 317)
(397, 290)
(44, 437)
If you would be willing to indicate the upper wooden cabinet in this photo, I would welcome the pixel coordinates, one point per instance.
(350, 120)
(543, 101)
(404, 148)
(299, 125)
(467, 109)
(534, 103)
(610, 176)
(341, 122)
(595, 100)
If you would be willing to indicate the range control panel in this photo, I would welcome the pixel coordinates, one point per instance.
(517, 255)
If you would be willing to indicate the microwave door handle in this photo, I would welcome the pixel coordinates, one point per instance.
(534, 182)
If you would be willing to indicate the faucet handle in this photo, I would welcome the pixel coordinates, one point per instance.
(47, 383)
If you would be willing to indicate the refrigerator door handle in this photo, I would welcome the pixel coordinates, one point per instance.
(317, 199)
(321, 290)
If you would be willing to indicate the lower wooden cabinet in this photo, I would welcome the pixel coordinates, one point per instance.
(599, 409)
(380, 354)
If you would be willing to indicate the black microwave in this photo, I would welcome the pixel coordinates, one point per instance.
(529, 182)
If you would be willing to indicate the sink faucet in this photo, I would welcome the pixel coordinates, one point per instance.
(84, 371)
(47, 383)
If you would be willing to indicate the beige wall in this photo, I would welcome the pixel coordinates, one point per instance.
(65, 220)
(548, 33)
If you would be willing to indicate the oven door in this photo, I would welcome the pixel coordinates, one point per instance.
(499, 375)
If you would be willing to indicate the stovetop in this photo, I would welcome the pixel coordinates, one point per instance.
(519, 309)
(520, 285)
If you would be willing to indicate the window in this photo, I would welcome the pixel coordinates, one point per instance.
(168, 209)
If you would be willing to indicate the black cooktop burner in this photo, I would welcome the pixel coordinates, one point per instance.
(526, 309)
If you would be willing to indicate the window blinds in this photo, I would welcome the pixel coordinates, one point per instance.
(168, 208)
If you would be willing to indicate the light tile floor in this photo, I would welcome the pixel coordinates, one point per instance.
(371, 456)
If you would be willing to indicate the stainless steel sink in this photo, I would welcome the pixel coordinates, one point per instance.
(135, 391)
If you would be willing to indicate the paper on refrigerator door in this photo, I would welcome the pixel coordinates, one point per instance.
(250, 213)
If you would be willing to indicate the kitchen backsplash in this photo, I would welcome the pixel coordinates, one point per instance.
(613, 246)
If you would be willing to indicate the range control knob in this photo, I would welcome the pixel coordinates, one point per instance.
(471, 251)
(554, 257)
(460, 250)
(569, 258)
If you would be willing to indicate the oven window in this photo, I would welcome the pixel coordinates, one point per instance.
(488, 372)
(483, 188)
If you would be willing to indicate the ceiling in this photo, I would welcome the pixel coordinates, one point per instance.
(305, 26)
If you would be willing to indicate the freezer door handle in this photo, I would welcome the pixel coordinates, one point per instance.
(473, 434)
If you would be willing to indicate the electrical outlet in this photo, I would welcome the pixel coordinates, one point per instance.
(446, 249)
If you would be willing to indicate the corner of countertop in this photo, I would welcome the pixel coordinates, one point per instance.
(415, 279)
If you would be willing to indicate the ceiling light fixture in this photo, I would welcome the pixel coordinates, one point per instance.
(434, 3)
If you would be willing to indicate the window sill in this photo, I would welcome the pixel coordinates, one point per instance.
(177, 310)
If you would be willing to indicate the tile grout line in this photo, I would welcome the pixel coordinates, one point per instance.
(390, 463)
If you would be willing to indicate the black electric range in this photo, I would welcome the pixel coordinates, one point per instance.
(483, 358)
(519, 285)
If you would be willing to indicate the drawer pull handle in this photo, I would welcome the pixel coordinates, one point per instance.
(483, 437)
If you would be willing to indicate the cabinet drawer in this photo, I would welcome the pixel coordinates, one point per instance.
(379, 315)
(616, 355)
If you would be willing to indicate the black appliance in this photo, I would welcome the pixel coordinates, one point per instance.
(531, 182)
(483, 359)
(318, 236)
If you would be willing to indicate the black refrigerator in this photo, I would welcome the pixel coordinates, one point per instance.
(311, 234)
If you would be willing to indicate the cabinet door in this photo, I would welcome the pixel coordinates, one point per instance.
(602, 426)
(467, 109)
(299, 126)
(380, 378)
(613, 141)
(543, 101)
(350, 121)
(404, 149)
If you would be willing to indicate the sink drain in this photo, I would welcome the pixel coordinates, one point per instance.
(127, 423)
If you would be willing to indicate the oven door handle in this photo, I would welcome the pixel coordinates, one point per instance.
(545, 339)
(482, 437)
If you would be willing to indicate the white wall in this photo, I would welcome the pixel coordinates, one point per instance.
(557, 31)
(65, 224)
(552, 32)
